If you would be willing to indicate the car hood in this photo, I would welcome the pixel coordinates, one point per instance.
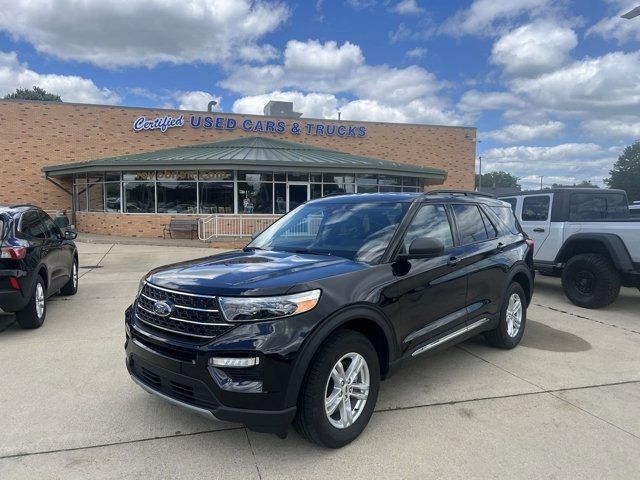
(253, 272)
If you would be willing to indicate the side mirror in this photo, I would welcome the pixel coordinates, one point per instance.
(425, 247)
(70, 235)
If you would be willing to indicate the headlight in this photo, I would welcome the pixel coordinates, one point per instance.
(245, 309)
(141, 285)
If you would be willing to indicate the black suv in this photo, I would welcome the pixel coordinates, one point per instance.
(36, 260)
(304, 322)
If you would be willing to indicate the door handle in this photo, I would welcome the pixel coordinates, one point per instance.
(538, 230)
(500, 246)
(453, 261)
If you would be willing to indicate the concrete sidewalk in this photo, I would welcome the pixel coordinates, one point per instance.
(564, 404)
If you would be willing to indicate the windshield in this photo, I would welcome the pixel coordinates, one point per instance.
(357, 231)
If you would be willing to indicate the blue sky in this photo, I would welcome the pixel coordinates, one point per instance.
(552, 86)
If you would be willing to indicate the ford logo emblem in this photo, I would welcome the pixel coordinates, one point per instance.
(162, 309)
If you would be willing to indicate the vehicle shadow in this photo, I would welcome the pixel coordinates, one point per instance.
(7, 321)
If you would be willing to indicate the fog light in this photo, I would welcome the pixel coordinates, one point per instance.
(231, 362)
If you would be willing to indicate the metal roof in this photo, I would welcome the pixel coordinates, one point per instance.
(247, 153)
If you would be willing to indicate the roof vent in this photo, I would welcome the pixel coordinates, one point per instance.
(280, 109)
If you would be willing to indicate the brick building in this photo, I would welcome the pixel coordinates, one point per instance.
(128, 171)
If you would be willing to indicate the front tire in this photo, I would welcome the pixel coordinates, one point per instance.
(513, 318)
(590, 280)
(71, 287)
(33, 315)
(340, 391)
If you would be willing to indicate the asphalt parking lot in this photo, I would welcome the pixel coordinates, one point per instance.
(565, 404)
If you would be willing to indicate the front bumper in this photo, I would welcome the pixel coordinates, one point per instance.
(180, 374)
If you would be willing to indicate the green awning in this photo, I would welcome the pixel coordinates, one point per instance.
(250, 153)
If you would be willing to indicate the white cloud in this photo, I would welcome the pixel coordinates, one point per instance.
(361, 4)
(483, 15)
(196, 100)
(475, 101)
(118, 33)
(402, 32)
(417, 52)
(316, 67)
(71, 88)
(322, 105)
(627, 127)
(617, 28)
(518, 132)
(563, 163)
(534, 48)
(407, 7)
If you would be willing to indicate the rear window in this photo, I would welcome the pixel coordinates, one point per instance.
(587, 206)
(512, 202)
(507, 219)
(536, 209)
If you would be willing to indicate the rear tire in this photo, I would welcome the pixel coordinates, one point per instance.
(71, 287)
(33, 315)
(322, 384)
(590, 280)
(513, 319)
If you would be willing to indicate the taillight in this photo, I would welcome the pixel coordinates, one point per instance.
(530, 243)
(14, 253)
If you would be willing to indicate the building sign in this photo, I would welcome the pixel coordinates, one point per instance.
(253, 125)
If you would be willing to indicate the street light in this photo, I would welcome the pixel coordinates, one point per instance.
(632, 13)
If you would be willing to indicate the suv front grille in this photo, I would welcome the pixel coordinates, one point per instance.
(194, 316)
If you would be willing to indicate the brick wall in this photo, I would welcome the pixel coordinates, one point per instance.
(35, 134)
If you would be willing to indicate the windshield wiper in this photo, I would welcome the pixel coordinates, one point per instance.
(305, 250)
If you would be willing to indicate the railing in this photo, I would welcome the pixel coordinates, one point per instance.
(233, 225)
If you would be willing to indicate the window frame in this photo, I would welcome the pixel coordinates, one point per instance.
(527, 197)
(448, 213)
(455, 218)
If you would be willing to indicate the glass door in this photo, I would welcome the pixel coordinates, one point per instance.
(297, 194)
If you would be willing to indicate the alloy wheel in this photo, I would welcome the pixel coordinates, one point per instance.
(514, 315)
(39, 300)
(347, 390)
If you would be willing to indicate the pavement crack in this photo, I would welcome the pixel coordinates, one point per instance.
(111, 444)
(253, 453)
(582, 317)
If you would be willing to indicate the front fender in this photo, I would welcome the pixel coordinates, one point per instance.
(321, 333)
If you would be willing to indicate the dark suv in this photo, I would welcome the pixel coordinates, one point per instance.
(36, 260)
(304, 322)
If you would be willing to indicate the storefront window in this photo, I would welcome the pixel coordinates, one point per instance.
(139, 197)
(176, 175)
(255, 197)
(95, 192)
(177, 197)
(215, 175)
(338, 188)
(298, 177)
(81, 198)
(280, 194)
(112, 176)
(139, 176)
(216, 197)
(112, 197)
(316, 191)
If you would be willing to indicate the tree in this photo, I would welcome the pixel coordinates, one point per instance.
(498, 179)
(36, 93)
(625, 173)
(582, 184)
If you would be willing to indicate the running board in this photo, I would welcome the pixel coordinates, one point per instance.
(451, 336)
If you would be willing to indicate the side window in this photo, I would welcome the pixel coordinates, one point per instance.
(511, 201)
(507, 218)
(584, 206)
(31, 226)
(536, 209)
(51, 229)
(430, 221)
(470, 224)
(491, 229)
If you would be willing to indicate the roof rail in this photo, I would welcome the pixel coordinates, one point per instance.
(466, 193)
(21, 205)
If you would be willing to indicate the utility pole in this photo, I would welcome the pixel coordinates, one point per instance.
(480, 175)
(541, 177)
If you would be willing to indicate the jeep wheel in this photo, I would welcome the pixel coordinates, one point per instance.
(513, 318)
(33, 315)
(590, 280)
(340, 391)
(71, 287)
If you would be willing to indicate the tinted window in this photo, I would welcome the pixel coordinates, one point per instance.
(491, 229)
(585, 206)
(430, 221)
(51, 229)
(536, 208)
(470, 224)
(359, 232)
(507, 219)
(31, 226)
(512, 202)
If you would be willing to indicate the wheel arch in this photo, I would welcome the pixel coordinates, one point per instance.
(363, 319)
(607, 244)
(521, 273)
